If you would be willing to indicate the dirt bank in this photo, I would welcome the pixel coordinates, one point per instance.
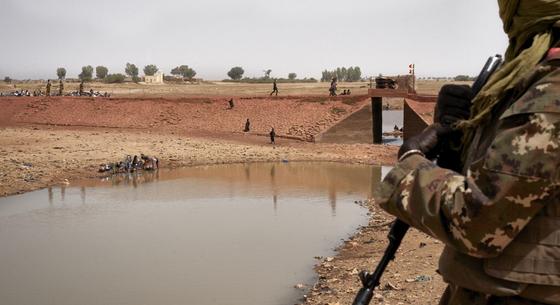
(297, 117)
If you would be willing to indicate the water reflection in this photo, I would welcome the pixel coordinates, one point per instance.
(276, 179)
(170, 237)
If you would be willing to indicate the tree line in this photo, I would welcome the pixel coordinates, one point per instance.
(343, 74)
(185, 72)
(131, 70)
(236, 74)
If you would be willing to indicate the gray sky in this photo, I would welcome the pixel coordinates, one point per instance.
(442, 37)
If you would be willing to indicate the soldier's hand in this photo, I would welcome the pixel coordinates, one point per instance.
(453, 104)
(427, 141)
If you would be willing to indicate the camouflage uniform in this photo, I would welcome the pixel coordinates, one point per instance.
(493, 220)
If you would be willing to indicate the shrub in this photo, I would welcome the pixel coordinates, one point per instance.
(114, 78)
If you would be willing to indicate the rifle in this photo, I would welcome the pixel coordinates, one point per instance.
(399, 228)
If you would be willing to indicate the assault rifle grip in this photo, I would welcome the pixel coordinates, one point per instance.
(371, 280)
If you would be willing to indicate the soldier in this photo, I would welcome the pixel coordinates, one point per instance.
(332, 88)
(274, 88)
(60, 88)
(48, 88)
(272, 135)
(247, 126)
(230, 104)
(499, 217)
(81, 88)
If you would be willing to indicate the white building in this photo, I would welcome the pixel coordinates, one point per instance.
(154, 79)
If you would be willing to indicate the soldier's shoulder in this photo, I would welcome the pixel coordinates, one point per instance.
(543, 96)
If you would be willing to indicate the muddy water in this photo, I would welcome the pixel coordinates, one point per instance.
(357, 128)
(390, 119)
(228, 234)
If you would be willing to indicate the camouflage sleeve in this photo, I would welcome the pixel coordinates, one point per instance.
(481, 213)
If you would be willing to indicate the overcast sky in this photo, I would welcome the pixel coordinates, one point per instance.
(442, 37)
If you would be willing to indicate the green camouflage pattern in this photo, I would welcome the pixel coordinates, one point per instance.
(480, 213)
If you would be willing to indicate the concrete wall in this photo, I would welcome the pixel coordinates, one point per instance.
(417, 115)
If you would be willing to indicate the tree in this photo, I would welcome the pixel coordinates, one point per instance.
(132, 71)
(7, 79)
(462, 78)
(114, 78)
(176, 71)
(185, 71)
(236, 73)
(327, 76)
(267, 73)
(292, 76)
(87, 73)
(61, 73)
(350, 74)
(101, 72)
(150, 70)
(354, 74)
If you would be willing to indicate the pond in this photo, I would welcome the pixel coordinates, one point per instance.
(222, 234)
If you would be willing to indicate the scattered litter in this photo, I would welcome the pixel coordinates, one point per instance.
(391, 286)
(329, 259)
(420, 278)
(299, 286)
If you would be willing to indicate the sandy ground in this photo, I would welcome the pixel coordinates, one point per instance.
(51, 141)
(39, 156)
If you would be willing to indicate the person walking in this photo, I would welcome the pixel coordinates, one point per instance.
(274, 88)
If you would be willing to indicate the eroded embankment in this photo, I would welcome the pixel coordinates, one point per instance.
(293, 117)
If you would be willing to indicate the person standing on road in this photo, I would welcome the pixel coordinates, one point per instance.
(498, 213)
(48, 88)
(60, 88)
(332, 88)
(274, 88)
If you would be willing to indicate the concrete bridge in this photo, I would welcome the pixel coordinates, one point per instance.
(364, 125)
